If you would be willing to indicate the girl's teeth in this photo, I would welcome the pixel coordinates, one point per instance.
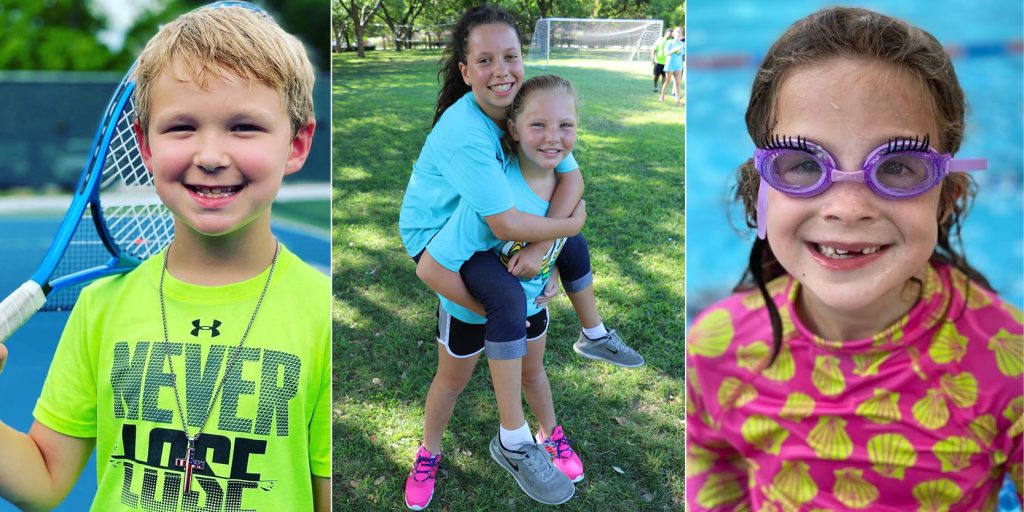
(215, 191)
(843, 254)
(502, 88)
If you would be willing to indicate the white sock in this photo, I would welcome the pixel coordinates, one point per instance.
(513, 439)
(595, 332)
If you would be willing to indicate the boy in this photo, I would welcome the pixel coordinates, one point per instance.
(203, 376)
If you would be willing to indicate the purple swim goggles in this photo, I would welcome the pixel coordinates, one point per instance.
(898, 169)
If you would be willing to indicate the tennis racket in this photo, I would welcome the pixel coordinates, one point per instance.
(115, 221)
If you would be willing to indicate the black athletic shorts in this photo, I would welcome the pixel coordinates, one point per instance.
(659, 69)
(462, 339)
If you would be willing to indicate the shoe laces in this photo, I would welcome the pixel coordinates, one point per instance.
(559, 448)
(615, 341)
(426, 466)
(539, 462)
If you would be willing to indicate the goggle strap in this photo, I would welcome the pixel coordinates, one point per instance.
(968, 164)
(762, 209)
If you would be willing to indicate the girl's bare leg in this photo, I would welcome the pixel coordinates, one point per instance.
(450, 379)
(536, 386)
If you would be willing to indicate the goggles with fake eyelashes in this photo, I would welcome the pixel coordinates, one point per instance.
(898, 169)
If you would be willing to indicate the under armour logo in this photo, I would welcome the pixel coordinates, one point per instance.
(212, 328)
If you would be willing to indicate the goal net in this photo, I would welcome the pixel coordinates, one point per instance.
(606, 39)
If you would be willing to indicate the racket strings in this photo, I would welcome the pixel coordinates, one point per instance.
(138, 225)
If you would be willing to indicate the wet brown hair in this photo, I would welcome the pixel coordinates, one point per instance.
(849, 32)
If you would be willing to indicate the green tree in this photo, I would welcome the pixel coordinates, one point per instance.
(52, 35)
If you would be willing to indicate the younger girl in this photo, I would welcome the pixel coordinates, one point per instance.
(542, 122)
(872, 368)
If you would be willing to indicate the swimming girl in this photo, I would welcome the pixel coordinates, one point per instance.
(863, 364)
(542, 122)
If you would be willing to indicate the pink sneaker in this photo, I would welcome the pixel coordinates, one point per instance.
(564, 458)
(419, 487)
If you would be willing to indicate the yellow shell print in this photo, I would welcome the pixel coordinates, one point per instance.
(754, 357)
(936, 495)
(932, 285)
(975, 296)
(698, 460)
(827, 376)
(891, 334)
(985, 428)
(962, 388)
(798, 406)
(1015, 410)
(712, 335)
(764, 433)
(1016, 314)
(931, 411)
(867, 364)
(947, 344)
(793, 483)
(1017, 428)
(719, 489)
(915, 362)
(734, 393)
(1009, 349)
(891, 455)
(830, 440)
(788, 328)
(882, 408)
(852, 490)
(955, 453)
(754, 300)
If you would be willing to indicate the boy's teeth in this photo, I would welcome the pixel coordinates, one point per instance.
(842, 254)
(215, 191)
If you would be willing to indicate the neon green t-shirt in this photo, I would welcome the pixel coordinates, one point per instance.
(659, 50)
(269, 429)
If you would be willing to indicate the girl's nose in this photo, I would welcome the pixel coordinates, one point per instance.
(849, 202)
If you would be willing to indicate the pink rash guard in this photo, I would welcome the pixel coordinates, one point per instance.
(925, 415)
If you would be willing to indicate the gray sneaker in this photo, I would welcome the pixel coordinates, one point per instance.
(610, 349)
(536, 475)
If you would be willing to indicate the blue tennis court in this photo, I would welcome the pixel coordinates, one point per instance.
(25, 241)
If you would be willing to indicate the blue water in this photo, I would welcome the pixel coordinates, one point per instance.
(717, 141)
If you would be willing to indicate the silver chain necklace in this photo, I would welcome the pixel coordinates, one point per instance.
(190, 462)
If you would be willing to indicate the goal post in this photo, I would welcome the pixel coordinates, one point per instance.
(607, 39)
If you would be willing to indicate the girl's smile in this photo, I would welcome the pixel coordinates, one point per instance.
(853, 251)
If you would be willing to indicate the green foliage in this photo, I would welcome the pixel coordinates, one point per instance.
(52, 35)
(631, 153)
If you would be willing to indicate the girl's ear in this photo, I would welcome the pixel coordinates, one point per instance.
(464, 69)
(512, 130)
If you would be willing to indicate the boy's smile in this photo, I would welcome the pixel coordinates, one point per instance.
(218, 153)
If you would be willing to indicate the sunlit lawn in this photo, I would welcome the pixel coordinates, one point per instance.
(627, 425)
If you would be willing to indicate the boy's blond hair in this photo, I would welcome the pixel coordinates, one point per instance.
(214, 41)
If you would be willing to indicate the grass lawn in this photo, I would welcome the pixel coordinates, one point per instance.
(626, 424)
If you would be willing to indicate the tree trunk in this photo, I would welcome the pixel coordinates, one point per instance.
(360, 50)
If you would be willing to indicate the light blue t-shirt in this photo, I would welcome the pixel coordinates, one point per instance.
(467, 233)
(675, 60)
(462, 158)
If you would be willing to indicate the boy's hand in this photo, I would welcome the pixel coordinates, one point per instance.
(550, 289)
(580, 213)
(527, 262)
(3, 357)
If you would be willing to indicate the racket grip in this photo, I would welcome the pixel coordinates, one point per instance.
(18, 307)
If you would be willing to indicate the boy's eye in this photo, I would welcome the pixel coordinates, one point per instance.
(180, 128)
(246, 128)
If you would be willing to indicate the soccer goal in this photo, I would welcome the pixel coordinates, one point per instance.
(607, 39)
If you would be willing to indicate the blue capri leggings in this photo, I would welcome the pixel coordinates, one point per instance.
(503, 298)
